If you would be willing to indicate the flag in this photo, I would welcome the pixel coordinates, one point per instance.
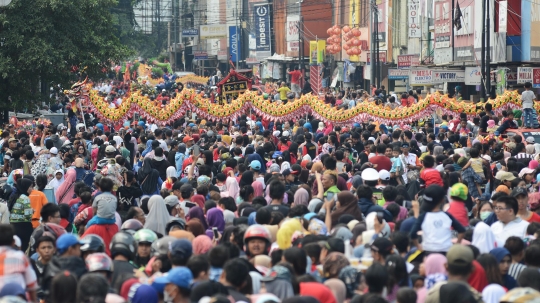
(457, 16)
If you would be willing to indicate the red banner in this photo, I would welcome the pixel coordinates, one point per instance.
(315, 79)
(536, 77)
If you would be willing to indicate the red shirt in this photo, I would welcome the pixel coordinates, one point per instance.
(431, 176)
(459, 211)
(533, 218)
(295, 76)
(382, 162)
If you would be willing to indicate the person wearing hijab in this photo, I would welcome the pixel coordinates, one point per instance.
(57, 180)
(171, 178)
(215, 219)
(317, 291)
(286, 231)
(197, 213)
(148, 148)
(301, 197)
(149, 178)
(21, 211)
(142, 293)
(66, 190)
(434, 266)
(493, 293)
(504, 259)
(258, 189)
(158, 216)
(346, 204)
(231, 185)
(338, 289)
(478, 279)
(201, 244)
(483, 238)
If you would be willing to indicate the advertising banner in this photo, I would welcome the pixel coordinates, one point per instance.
(398, 74)
(200, 55)
(501, 81)
(524, 74)
(262, 30)
(448, 76)
(420, 77)
(414, 18)
(473, 75)
(312, 52)
(213, 31)
(321, 51)
(536, 77)
(192, 32)
(235, 43)
(406, 61)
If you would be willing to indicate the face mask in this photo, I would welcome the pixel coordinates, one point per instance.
(167, 298)
(484, 215)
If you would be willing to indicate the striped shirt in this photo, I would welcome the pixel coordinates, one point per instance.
(515, 270)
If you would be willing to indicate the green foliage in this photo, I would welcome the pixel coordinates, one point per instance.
(44, 39)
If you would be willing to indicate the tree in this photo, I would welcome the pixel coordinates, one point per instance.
(44, 40)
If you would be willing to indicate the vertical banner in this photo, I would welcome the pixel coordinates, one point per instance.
(354, 16)
(312, 52)
(234, 43)
(414, 19)
(321, 51)
(315, 79)
(501, 81)
(262, 31)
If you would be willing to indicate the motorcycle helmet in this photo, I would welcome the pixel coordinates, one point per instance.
(175, 222)
(99, 262)
(257, 232)
(132, 225)
(145, 236)
(93, 243)
(161, 246)
(123, 244)
(195, 171)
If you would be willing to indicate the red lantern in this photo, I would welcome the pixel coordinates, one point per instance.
(337, 31)
(355, 42)
(346, 47)
(336, 48)
(329, 40)
(328, 48)
(346, 29)
(349, 52)
(356, 32)
(357, 51)
(329, 31)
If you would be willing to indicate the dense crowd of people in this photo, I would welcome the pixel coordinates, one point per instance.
(254, 210)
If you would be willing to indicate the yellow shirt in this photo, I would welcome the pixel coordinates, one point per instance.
(283, 92)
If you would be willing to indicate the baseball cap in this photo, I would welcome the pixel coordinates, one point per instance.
(54, 150)
(530, 139)
(404, 144)
(296, 169)
(459, 255)
(519, 191)
(179, 276)
(286, 172)
(525, 171)
(187, 139)
(255, 164)
(12, 140)
(459, 190)
(334, 244)
(382, 245)
(181, 248)
(384, 175)
(110, 149)
(521, 295)
(66, 241)
(370, 174)
(511, 145)
(505, 176)
(12, 289)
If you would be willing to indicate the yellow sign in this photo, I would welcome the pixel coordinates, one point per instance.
(321, 51)
(312, 52)
(354, 16)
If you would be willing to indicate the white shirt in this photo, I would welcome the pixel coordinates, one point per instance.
(502, 231)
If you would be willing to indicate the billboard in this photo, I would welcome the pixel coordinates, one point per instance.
(262, 30)
(406, 61)
(213, 31)
(420, 77)
(414, 19)
(291, 32)
(398, 74)
(473, 75)
(235, 43)
(312, 52)
(321, 51)
(448, 76)
(524, 74)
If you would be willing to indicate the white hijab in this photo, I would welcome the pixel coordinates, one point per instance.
(171, 172)
(55, 183)
(483, 238)
(158, 215)
(493, 293)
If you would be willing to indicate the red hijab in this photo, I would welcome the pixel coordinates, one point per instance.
(478, 279)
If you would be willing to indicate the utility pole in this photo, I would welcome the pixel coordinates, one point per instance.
(236, 34)
(483, 57)
(175, 22)
(488, 47)
(452, 25)
(377, 67)
(373, 24)
(301, 46)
